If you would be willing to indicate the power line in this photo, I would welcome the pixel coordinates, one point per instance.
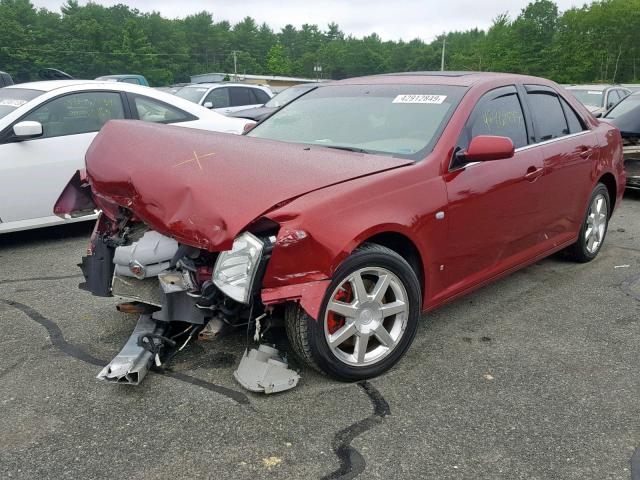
(85, 52)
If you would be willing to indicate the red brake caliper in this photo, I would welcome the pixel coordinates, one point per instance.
(334, 320)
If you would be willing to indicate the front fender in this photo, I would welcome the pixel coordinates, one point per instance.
(309, 295)
(319, 230)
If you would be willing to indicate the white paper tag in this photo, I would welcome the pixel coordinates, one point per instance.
(410, 98)
(594, 92)
(10, 102)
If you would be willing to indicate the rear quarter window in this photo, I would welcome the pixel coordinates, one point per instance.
(573, 120)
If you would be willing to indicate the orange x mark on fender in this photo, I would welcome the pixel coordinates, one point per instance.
(196, 158)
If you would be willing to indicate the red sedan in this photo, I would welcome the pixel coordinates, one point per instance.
(352, 210)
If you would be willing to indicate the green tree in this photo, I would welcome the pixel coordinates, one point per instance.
(277, 62)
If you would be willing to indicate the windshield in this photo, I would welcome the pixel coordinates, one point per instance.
(397, 120)
(287, 95)
(193, 94)
(12, 98)
(626, 105)
(593, 98)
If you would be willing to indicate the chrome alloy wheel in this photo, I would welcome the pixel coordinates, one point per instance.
(596, 223)
(366, 316)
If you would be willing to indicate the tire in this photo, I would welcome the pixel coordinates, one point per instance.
(594, 227)
(381, 313)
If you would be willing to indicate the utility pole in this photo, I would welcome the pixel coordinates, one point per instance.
(235, 66)
(444, 44)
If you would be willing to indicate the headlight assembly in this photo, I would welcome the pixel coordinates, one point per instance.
(235, 269)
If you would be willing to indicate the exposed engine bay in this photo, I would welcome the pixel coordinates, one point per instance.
(631, 150)
(182, 293)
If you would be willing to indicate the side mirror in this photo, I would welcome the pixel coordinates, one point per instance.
(598, 115)
(484, 148)
(208, 105)
(27, 129)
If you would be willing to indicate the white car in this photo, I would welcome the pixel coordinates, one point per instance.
(226, 97)
(46, 128)
(598, 98)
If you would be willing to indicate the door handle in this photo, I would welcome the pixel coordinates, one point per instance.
(533, 173)
(585, 152)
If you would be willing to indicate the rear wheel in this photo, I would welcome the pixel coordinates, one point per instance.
(594, 226)
(367, 320)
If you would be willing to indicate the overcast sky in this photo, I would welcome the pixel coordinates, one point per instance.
(392, 20)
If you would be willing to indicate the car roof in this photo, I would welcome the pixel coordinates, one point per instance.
(225, 84)
(599, 87)
(465, 79)
(48, 85)
(122, 75)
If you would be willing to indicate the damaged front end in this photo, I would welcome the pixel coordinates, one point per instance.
(180, 293)
(172, 285)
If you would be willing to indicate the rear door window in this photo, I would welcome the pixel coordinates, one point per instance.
(260, 95)
(613, 98)
(548, 115)
(240, 96)
(151, 110)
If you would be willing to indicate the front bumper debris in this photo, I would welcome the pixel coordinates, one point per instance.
(163, 285)
(632, 165)
(132, 363)
(263, 370)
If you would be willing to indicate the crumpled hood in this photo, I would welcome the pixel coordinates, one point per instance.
(202, 188)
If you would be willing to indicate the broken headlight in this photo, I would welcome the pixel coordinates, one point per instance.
(235, 269)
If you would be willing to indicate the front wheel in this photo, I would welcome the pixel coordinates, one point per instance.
(594, 226)
(368, 317)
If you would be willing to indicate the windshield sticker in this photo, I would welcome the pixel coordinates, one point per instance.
(437, 99)
(201, 89)
(594, 92)
(11, 102)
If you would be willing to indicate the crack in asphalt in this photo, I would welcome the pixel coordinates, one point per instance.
(57, 339)
(351, 461)
(34, 279)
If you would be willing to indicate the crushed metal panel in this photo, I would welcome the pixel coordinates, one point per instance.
(146, 290)
(309, 295)
(131, 365)
(263, 370)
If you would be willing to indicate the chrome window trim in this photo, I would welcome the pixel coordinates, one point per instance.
(546, 142)
(526, 147)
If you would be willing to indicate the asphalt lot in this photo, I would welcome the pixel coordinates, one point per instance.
(535, 376)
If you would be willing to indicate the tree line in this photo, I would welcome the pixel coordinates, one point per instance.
(598, 42)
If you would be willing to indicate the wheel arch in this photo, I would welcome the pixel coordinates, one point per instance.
(609, 181)
(404, 246)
